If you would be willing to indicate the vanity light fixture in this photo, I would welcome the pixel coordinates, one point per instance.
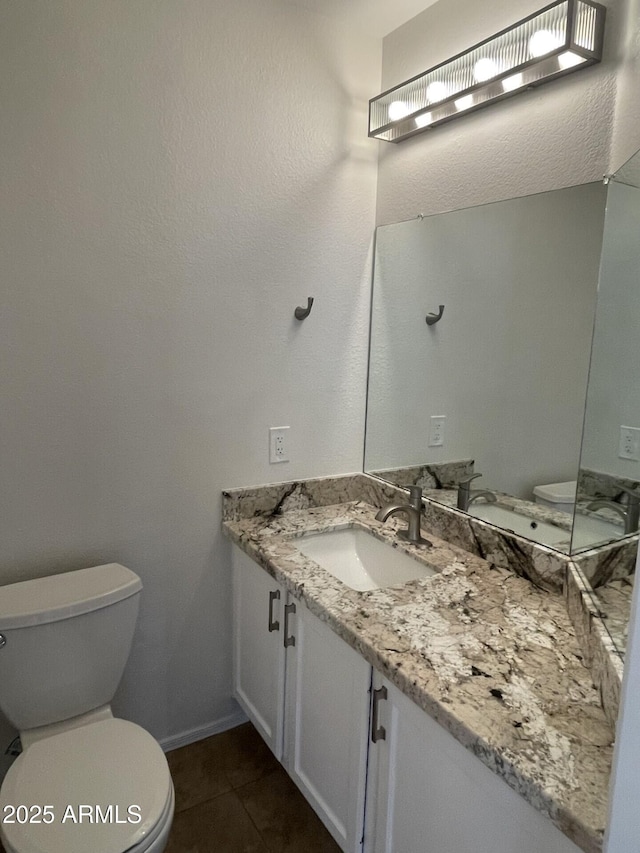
(557, 40)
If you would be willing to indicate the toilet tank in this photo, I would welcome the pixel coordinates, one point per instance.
(558, 496)
(64, 643)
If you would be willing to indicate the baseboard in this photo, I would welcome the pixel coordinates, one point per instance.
(237, 718)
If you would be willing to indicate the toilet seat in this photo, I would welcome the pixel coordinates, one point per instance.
(111, 763)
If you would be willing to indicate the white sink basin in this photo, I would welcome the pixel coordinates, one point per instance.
(539, 531)
(361, 561)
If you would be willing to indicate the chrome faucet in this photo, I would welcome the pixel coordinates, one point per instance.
(629, 512)
(467, 495)
(413, 511)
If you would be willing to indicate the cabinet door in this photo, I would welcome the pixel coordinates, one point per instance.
(327, 713)
(428, 794)
(258, 649)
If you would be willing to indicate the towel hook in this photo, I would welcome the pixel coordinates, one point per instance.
(303, 313)
(433, 318)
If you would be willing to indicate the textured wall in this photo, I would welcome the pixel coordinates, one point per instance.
(176, 178)
(555, 136)
(626, 128)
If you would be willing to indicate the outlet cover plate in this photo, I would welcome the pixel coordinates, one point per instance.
(436, 430)
(629, 443)
(278, 444)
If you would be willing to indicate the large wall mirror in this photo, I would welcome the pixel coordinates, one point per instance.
(535, 346)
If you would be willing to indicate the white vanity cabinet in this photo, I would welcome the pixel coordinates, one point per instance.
(342, 735)
(427, 794)
(307, 692)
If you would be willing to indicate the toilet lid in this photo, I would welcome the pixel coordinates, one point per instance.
(106, 784)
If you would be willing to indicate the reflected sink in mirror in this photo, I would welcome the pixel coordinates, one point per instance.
(522, 525)
(589, 532)
(361, 561)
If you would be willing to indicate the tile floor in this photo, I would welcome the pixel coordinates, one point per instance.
(232, 796)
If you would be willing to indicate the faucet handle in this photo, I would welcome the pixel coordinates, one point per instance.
(634, 494)
(415, 496)
(466, 480)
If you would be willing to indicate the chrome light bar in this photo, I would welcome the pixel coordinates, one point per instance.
(557, 40)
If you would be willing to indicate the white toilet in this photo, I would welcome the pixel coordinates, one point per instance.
(64, 644)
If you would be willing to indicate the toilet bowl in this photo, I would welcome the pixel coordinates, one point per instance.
(114, 769)
(86, 780)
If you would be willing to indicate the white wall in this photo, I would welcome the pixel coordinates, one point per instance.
(507, 364)
(176, 178)
(614, 386)
(555, 136)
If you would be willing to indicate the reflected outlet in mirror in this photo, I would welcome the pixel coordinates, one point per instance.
(361, 561)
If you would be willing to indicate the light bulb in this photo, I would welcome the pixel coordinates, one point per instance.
(569, 59)
(436, 91)
(424, 119)
(513, 82)
(485, 69)
(543, 42)
(464, 103)
(398, 110)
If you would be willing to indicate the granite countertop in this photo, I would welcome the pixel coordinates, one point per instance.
(487, 654)
(614, 605)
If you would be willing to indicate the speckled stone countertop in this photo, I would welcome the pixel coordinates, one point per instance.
(487, 654)
(614, 603)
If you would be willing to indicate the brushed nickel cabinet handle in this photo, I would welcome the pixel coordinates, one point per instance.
(274, 624)
(288, 641)
(377, 732)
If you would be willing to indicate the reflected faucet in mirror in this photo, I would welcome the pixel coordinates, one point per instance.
(629, 511)
(467, 495)
(413, 511)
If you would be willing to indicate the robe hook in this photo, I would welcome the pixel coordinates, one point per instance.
(302, 313)
(433, 318)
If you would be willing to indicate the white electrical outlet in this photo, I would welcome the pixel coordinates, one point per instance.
(278, 444)
(629, 443)
(436, 430)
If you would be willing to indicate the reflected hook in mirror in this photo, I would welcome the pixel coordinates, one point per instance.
(303, 313)
(433, 318)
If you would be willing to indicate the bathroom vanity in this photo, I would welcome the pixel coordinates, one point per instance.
(457, 706)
